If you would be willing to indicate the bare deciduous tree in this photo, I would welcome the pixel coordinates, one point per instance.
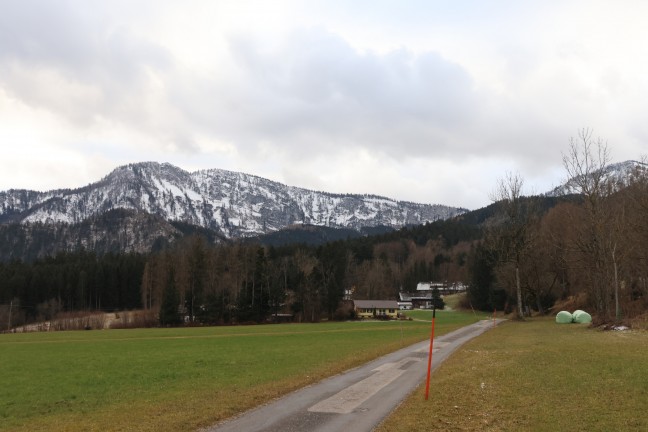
(585, 163)
(510, 234)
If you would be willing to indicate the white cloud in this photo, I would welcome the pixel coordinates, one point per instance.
(325, 94)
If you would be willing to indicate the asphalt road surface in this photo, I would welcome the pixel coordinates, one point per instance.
(356, 400)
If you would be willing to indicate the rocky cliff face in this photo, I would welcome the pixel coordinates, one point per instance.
(230, 203)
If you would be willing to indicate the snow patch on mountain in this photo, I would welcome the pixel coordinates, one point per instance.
(232, 203)
(617, 175)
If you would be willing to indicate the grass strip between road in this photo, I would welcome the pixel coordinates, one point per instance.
(181, 379)
(535, 376)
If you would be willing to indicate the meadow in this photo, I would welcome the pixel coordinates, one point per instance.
(535, 376)
(181, 379)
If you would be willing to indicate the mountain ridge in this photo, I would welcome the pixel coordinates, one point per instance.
(617, 175)
(232, 203)
(149, 206)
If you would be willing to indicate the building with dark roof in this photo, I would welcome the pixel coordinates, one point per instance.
(381, 309)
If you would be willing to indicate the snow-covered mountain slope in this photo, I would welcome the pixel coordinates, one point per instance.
(233, 204)
(616, 175)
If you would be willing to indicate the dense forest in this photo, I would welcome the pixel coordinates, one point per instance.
(522, 254)
(238, 282)
(79, 281)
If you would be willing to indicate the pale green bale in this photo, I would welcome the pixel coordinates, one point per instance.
(582, 317)
(564, 317)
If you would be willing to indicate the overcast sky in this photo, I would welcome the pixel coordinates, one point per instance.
(425, 101)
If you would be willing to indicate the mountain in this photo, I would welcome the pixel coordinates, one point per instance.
(618, 175)
(230, 204)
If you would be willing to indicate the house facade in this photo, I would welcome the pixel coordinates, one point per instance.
(380, 309)
(415, 300)
(423, 297)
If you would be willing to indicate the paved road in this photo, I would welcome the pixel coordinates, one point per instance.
(358, 399)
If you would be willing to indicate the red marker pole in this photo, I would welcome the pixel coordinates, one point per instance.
(427, 382)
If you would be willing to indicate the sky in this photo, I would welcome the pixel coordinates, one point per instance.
(426, 101)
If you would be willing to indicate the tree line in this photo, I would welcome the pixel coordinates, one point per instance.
(69, 281)
(243, 282)
(201, 282)
(590, 250)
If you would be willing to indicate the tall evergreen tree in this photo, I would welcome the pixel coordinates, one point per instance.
(482, 292)
(169, 315)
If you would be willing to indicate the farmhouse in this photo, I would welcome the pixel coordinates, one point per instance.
(423, 298)
(415, 300)
(382, 309)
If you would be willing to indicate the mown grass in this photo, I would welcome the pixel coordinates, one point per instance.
(179, 379)
(426, 315)
(454, 301)
(536, 376)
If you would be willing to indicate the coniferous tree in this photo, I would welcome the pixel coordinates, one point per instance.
(482, 292)
(169, 315)
(437, 300)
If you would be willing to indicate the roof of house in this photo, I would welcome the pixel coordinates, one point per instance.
(409, 296)
(429, 286)
(378, 304)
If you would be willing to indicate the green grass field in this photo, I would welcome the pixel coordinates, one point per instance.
(536, 376)
(180, 379)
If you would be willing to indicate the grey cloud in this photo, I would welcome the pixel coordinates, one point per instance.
(73, 36)
(42, 33)
(316, 89)
(311, 93)
(68, 58)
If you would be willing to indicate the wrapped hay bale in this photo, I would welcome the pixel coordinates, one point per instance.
(564, 317)
(582, 317)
